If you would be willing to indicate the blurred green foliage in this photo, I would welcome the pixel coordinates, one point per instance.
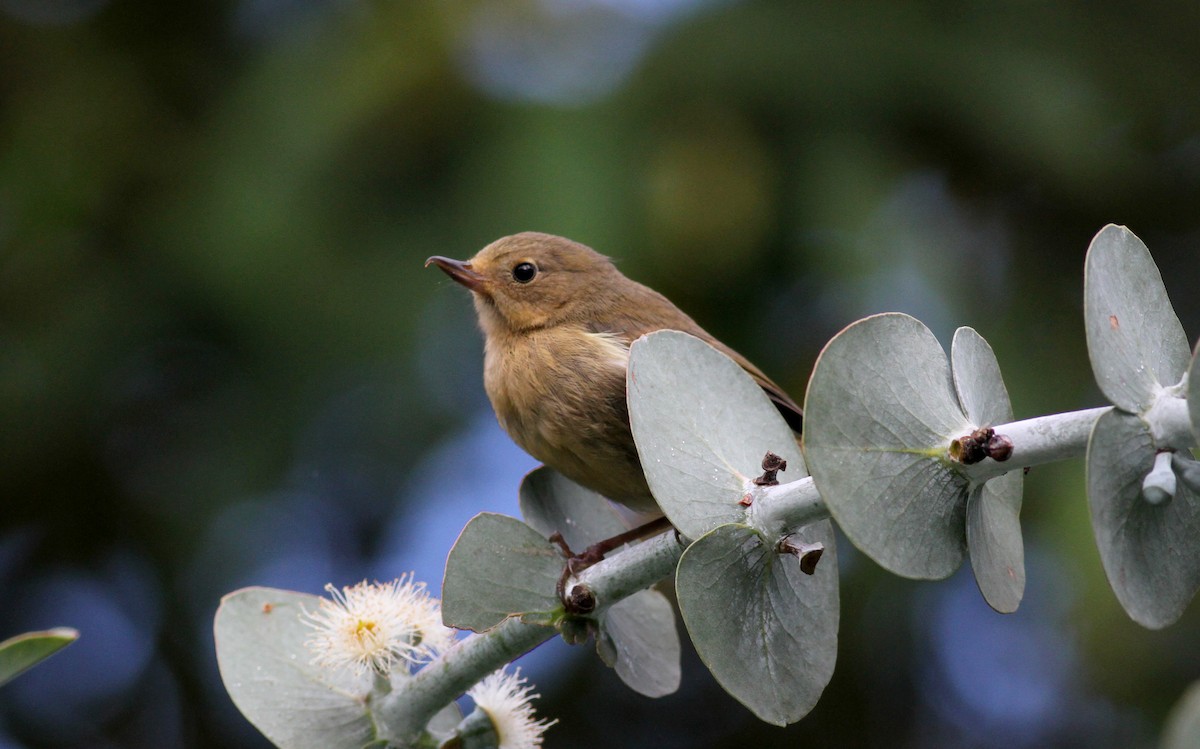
(213, 218)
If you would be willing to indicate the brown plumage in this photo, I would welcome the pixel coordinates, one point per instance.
(558, 318)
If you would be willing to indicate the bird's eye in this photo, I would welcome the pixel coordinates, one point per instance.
(524, 272)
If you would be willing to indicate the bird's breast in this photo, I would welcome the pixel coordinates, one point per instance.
(560, 394)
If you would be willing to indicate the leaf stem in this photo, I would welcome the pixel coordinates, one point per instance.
(1043, 439)
(633, 569)
(1169, 422)
(410, 706)
(784, 508)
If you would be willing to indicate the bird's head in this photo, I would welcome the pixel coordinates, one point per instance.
(531, 280)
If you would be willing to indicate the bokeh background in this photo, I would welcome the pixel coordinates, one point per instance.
(222, 363)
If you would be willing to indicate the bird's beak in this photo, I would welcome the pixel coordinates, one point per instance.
(458, 270)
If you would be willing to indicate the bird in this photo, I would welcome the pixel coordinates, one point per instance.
(558, 319)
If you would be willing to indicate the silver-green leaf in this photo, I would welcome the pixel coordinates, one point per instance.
(880, 411)
(766, 630)
(550, 502)
(1183, 724)
(977, 379)
(1135, 340)
(22, 652)
(1148, 550)
(993, 509)
(499, 567)
(270, 674)
(994, 538)
(638, 637)
(441, 726)
(642, 631)
(702, 427)
(1193, 394)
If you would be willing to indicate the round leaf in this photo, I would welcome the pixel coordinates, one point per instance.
(269, 673)
(994, 538)
(977, 380)
(702, 427)
(441, 726)
(1182, 730)
(20, 653)
(766, 630)
(551, 502)
(880, 411)
(499, 567)
(642, 631)
(1135, 341)
(1149, 550)
(1193, 394)
(993, 509)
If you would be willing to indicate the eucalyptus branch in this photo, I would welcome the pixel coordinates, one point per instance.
(631, 570)
(406, 711)
(1047, 439)
(780, 509)
(1042, 439)
(783, 508)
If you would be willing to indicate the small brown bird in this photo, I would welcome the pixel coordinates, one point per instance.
(558, 318)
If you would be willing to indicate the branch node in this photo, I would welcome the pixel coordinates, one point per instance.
(580, 600)
(808, 554)
(982, 443)
(575, 631)
(999, 447)
(772, 464)
(1159, 485)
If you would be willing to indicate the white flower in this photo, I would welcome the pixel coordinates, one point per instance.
(372, 626)
(505, 698)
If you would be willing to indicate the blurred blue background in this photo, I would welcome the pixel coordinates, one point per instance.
(222, 363)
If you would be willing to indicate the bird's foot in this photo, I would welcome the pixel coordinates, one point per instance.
(577, 563)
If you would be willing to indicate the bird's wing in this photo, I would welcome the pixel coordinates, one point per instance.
(666, 316)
